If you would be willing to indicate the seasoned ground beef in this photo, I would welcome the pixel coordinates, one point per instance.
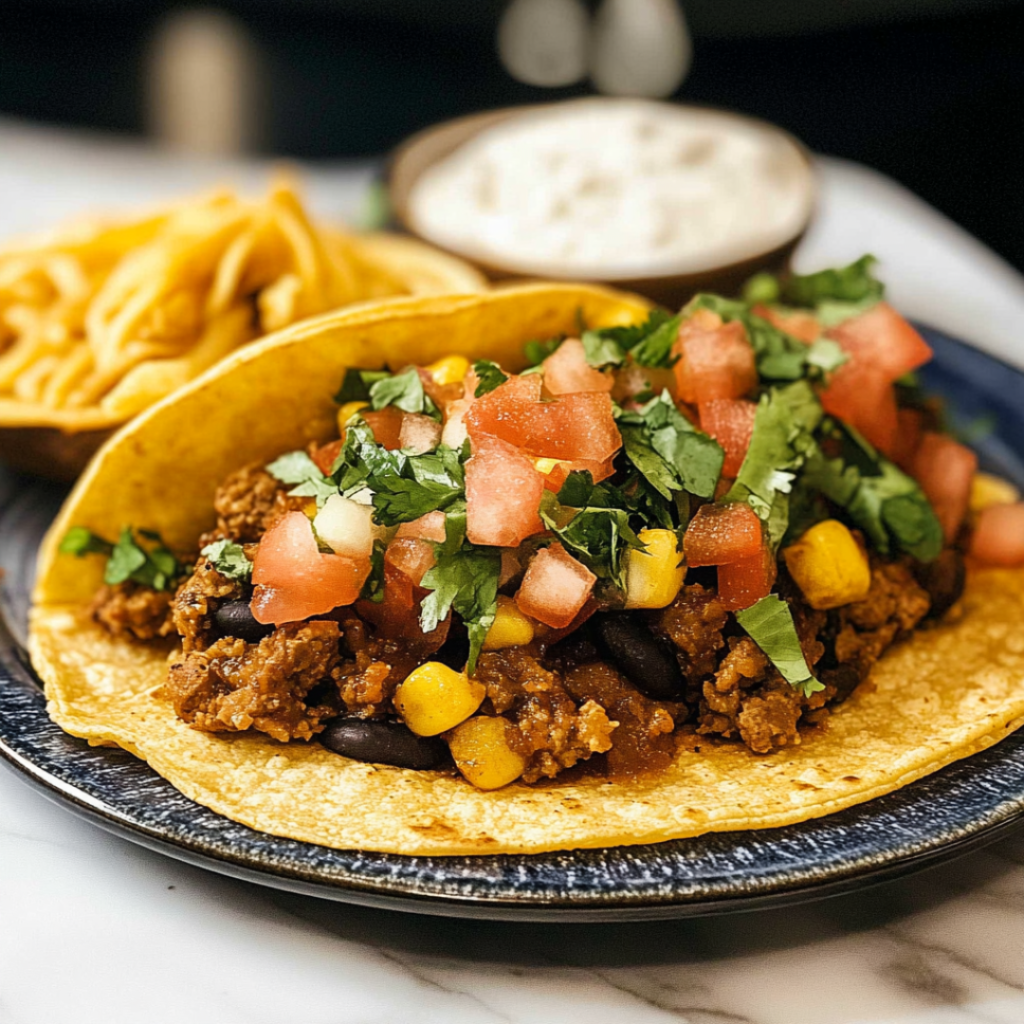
(232, 686)
(196, 601)
(551, 731)
(373, 668)
(248, 503)
(130, 609)
(895, 604)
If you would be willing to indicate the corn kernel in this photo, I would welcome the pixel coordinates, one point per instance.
(309, 507)
(829, 566)
(450, 370)
(481, 751)
(654, 575)
(545, 466)
(511, 628)
(989, 490)
(346, 412)
(435, 698)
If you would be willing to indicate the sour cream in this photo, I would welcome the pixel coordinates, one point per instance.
(614, 189)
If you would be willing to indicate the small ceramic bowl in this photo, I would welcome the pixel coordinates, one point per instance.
(421, 151)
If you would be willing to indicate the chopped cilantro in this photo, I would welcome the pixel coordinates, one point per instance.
(669, 451)
(464, 581)
(853, 283)
(357, 383)
(153, 566)
(770, 625)
(298, 469)
(781, 441)
(886, 503)
(229, 559)
(81, 541)
(649, 344)
(538, 350)
(373, 588)
(404, 391)
(490, 376)
(601, 350)
(405, 485)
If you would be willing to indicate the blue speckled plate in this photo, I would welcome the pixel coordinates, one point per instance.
(964, 805)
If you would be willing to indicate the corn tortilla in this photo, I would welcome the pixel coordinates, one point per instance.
(946, 693)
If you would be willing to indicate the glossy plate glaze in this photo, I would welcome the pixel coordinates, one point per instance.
(962, 806)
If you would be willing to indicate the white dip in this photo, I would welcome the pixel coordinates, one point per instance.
(603, 188)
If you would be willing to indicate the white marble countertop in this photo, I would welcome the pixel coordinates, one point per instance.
(95, 929)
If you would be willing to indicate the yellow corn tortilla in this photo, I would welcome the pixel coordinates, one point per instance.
(948, 692)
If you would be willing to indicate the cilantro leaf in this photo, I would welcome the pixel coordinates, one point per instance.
(80, 541)
(854, 283)
(404, 485)
(538, 350)
(886, 503)
(299, 469)
(769, 624)
(464, 581)
(373, 588)
(154, 567)
(780, 444)
(404, 391)
(669, 451)
(357, 383)
(490, 375)
(229, 559)
(601, 350)
(649, 343)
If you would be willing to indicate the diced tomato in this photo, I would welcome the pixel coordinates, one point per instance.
(428, 527)
(909, 426)
(325, 454)
(722, 534)
(882, 340)
(555, 587)
(731, 423)
(632, 380)
(715, 359)
(998, 537)
(294, 580)
(743, 583)
(567, 372)
(503, 492)
(944, 469)
(797, 324)
(386, 425)
(551, 637)
(570, 427)
(411, 556)
(862, 397)
(598, 470)
(419, 433)
(396, 616)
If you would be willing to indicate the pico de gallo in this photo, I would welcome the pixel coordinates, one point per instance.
(701, 529)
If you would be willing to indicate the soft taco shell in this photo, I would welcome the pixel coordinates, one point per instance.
(948, 692)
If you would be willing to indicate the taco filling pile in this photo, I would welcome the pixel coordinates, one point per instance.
(695, 531)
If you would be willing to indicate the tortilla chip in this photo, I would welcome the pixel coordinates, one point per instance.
(948, 692)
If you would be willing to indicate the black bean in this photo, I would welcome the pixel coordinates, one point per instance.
(234, 618)
(631, 648)
(382, 741)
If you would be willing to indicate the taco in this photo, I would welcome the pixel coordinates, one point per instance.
(391, 581)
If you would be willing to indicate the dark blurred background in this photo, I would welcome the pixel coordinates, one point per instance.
(929, 91)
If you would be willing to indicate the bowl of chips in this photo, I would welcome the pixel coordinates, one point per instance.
(102, 317)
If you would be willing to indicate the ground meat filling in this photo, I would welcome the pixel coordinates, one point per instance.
(248, 503)
(197, 600)
(551, 731)
(131, 610)
(232, 686)
(566, 703)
